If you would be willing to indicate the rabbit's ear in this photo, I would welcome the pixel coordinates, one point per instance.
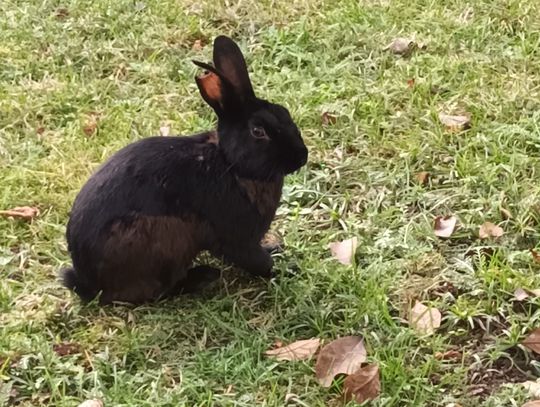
(230, 63)
(211, 86)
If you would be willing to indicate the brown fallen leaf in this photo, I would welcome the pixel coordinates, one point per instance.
(22, 212)
(197, 45)
(520, 294)
(533, 341)
(328, 118)
(534, 403)
(422, 177)
(411, 82)
(342, 356)
(444, 226)
(91, 403)
(66, 348)
(299, 350)
(424, 320)
(61, 13)
(90, 124)
(344, 251)
(448, 355)
(535, 255)
(363, 385)
(401, 46)
(455, 123)
(489, 229)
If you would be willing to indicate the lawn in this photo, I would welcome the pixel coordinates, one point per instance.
(80, 79)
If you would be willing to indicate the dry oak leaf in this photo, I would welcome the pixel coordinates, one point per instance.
(91, 403)
(22, 212)
(424, 320)
(489, 229)
(444, 226)
(455, 123)
(299, 350)
(344, 251)
(363, 385)
(342, 356)
(533, 341)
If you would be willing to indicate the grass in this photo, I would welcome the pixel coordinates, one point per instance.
(126, 64)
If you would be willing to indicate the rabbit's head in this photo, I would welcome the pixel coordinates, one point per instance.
(258, 138)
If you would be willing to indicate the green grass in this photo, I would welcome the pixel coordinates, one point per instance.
(129, 63)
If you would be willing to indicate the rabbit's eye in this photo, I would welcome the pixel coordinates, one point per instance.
(258, 133)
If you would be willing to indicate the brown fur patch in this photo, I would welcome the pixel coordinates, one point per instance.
(145, 257)
(264, 194)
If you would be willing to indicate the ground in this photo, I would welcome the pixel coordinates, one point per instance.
(79, 80)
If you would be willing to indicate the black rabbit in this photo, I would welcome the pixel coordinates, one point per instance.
(142, 218)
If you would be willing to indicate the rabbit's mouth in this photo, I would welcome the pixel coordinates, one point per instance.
(296, 160)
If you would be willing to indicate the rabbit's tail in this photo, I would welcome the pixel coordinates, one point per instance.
(79, 284)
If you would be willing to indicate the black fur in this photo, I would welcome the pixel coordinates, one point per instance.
(139, 221)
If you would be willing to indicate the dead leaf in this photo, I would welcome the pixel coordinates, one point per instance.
(533, 341)
(533, 388)
(165, 130)
(445, 225)
(299, 350)
(66, 348)
(363, 385)
(448, 355)
(520, 294)
(342, 356)
(505, 214)
(344, 251)
(535, 403)
(401, 46)
(328, 118)
(455, 123)
(22, 212)
(535, 255)
(424, 320)
(91, 403)
(489, 229)
(61, 13)
(422, 177)
(90, 124)
(411, 82)
(197, 45)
